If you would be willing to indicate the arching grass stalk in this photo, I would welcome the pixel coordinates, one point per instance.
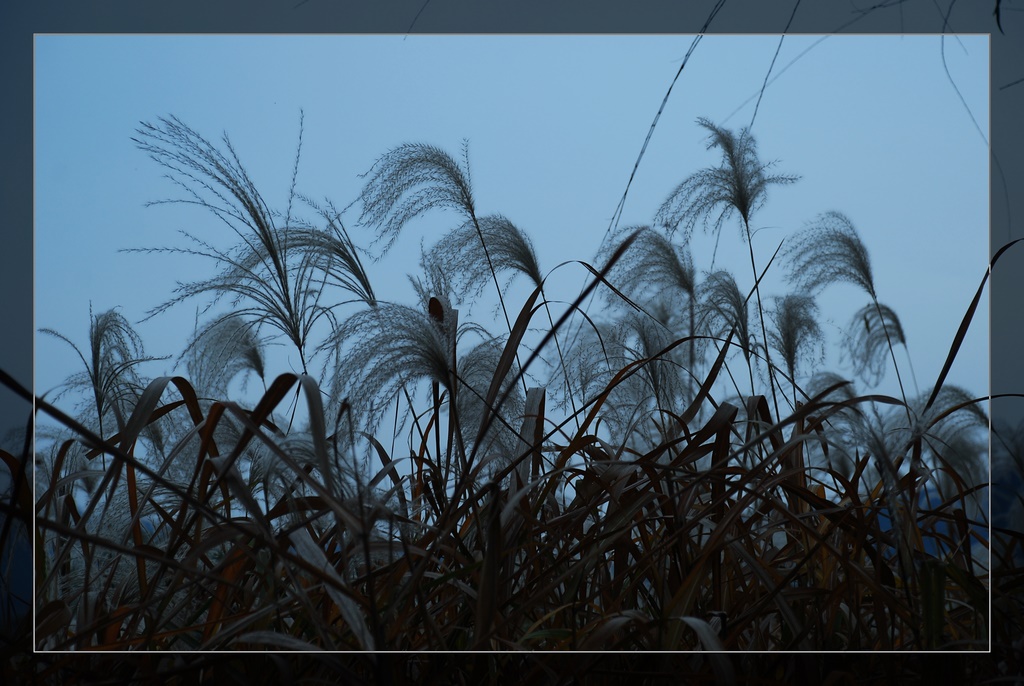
(480, 249)
(760, 313)
(496, 401)
(277, 274)
(558, 351)
(739, 185)
(110, 375)
(414, 178)
(657, 270)
(829, 250)
(796, 329)
(436, 312)
(725, 308)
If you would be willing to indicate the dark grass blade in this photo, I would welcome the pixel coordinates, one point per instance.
(958, 339)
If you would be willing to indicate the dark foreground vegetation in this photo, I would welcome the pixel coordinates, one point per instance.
(659, 462)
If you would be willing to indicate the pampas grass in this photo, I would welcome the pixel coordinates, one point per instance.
(795, 331)
(829, 251)
(738, 186)
(110, 377)
(637, 500)
(275, 275)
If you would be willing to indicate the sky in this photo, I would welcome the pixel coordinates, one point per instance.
(876, 127)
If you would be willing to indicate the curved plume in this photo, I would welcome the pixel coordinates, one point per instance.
(796, 330)
(871, 330)
(219, 352)
(410, 180)
(277, 273)
(739, 185)
(827, 251)
(110, 376)
(508, 248)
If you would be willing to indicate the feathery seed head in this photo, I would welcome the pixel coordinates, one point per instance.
(110, 377)
(796, 329)
(829, 250)
(867, 346)
(378, 351)
(652, 264)
(278, 272)
(408, 181)
(220, 351)
(740, 184)
(724, 308)
(508, 248)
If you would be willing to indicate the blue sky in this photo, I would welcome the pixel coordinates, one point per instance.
(872, 124)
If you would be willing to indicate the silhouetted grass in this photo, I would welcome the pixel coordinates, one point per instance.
(642, 500)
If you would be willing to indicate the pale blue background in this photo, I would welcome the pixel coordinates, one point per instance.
(872, 124)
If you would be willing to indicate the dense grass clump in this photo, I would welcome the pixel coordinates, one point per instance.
(674, 470)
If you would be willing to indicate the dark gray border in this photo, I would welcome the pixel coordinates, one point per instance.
(20, 20)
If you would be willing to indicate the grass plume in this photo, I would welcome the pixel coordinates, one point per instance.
(633, 502)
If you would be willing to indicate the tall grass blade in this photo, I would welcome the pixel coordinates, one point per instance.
(961, 332)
